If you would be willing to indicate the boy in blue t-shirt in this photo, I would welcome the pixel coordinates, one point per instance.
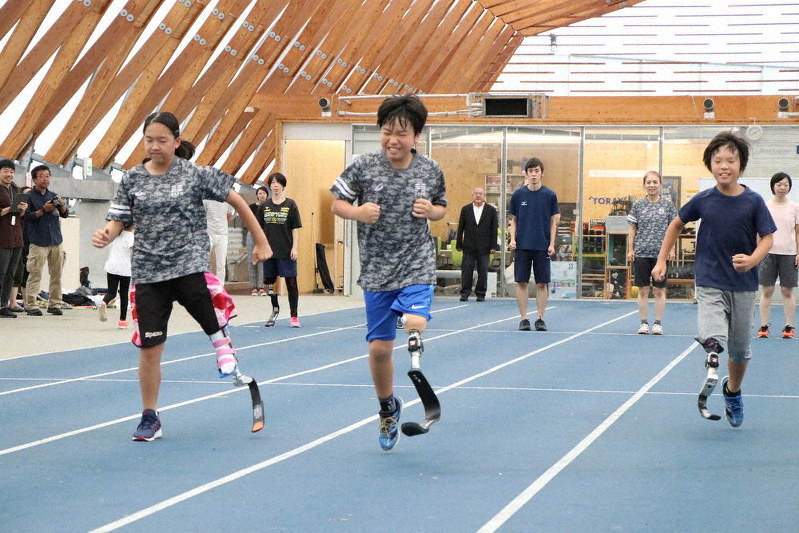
(397, 192)
(727, 252)
(533, 226)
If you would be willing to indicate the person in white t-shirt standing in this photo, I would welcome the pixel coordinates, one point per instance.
(219, 215)
(781, 260)
(117, 270)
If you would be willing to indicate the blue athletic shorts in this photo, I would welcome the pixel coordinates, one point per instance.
(383, 308)
(536, 260)
(285, 268)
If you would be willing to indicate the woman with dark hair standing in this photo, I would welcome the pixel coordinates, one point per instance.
(164, 197)
(781, 260)
(280, 218)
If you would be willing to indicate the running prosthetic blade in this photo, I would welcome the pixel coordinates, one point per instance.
(271, 320)
(712, 364)
(240, 380)
(432, 407)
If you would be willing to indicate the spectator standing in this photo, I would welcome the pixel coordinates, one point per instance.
(649, 218)
(255, 271)
(781, 260)
(533, 227)
(218, 216)
(21, 275)
(44, 233)
(280, 219)
(118, 273)
(11, 241)
(477, 237)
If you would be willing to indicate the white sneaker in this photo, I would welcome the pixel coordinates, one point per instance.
(644, 329)
(657, 329)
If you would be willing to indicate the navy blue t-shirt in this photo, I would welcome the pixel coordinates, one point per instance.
(533, 211)
(729, 225)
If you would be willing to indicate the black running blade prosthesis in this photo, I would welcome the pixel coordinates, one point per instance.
(257, 407)
(432, 408)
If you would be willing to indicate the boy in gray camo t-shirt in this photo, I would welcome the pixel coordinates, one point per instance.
(393, 194)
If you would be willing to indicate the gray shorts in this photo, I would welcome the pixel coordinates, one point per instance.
(774, 265)
(728, 317)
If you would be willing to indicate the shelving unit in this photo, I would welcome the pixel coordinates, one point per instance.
(493, 187)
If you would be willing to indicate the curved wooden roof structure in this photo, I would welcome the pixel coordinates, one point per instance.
(243, 51)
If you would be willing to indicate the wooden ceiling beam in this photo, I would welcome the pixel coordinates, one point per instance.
(435, 43)
(417, 39)
(33, 62)
(447, 74)
(360, 57)
(30, 18)
(25, 133)
(474, 74)
(461, 80)
(173, 28)
(125, 32)
(489, 76)
(240, 92)
(430, 74)
(390, 51)
(335, 43)
(171, 87)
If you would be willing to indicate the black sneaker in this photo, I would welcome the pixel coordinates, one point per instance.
(524, 325)
(5, 312)
(55, 311)
(34, 311)
(481, 298)
(540, 326)
(464, 298)
(149, 428)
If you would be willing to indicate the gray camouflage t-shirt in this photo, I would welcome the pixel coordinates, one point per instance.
(398, 250)
(171, 228)
(652, 220)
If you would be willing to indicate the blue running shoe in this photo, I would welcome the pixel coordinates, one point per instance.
(149, 428)
(389, 426)
(734, 405)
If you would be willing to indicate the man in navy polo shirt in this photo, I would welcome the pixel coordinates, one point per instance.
(44, 231)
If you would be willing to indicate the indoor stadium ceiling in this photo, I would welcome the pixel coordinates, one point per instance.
(103, 65)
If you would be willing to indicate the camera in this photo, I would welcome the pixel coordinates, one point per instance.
(56, 202)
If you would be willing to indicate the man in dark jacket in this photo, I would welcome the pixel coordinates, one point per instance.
(11, 211)
(477, 237)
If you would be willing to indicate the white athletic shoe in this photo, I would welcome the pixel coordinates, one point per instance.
(644, 329)
(657, 329)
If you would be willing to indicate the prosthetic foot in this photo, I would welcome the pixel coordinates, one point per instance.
(275, 308)
(432, 408)
(713, 349)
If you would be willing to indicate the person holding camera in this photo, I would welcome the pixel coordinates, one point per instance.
(44, 233)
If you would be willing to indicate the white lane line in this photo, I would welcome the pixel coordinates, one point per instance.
(72, 433)
(129, 519)
(189, 358)
(534, 488)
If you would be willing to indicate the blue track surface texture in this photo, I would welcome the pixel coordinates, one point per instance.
(587, 427)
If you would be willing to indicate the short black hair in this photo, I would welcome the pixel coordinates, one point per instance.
(278, 177)
(534, 162)
(7, 163)
(408, 109)
(778, 177)
(727, 139)
(38, 168)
